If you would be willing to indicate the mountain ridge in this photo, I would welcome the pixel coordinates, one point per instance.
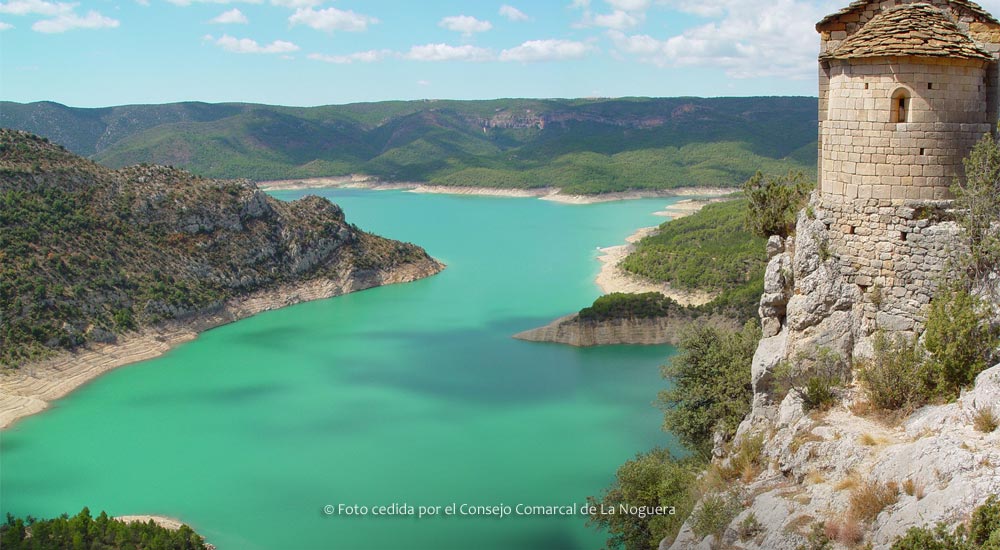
(580, 145)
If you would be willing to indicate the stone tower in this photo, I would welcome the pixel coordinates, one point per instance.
(906, 89)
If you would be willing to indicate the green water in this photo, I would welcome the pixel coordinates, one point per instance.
(410, 393)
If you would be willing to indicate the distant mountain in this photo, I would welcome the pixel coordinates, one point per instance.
(88, 253)
(581, 145)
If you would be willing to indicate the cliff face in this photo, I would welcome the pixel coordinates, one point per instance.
(90, 253)
(645, 331)
(833, 286)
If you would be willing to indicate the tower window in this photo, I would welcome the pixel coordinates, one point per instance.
(900, 106)
(930, 85)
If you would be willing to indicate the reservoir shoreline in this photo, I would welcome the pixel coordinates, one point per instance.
(544, 193)
(30, 389)
(612, 278)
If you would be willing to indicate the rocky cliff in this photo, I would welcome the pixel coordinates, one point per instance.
(89, 254)
(846, 274)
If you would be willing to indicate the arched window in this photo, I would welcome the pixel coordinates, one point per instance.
(900, 106)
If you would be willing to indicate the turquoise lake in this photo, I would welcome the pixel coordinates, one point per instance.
(411, 393)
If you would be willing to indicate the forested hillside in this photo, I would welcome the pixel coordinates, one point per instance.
(581, 146)
(87, 253)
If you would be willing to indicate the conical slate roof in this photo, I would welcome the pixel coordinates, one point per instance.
(910, 30)
(862, 4)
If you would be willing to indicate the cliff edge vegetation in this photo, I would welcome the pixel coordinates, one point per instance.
(89, 254)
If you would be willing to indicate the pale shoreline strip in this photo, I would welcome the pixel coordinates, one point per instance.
(543, 193)
(30, 389)
(612, 278)
(162, 521)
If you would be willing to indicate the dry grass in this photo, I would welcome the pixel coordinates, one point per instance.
(848, 483)
(799, 524)
(868, 499)
(815, 478)
(801, 439)
(745, 461)
(847, 532)
(984, 420)
(870, 440)
(913, 489)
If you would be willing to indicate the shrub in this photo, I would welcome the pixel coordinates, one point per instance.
(960, 339)
(714, 514)
(817, 539)
(816, 383)
(650, 479)
(891, 377)
(749, 528)
(983, 533)
(773, 202)
(711, 391)
(977, 201)
(868, 499)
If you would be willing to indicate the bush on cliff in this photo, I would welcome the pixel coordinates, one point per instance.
(977, 202)
(891, 377)
(651, 479)
(773, 202)
(711, 391)
(961, 341)
(983, 533)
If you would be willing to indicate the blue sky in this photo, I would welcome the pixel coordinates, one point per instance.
(313, 52)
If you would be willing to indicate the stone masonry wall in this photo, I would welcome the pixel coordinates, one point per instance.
(895, 253)
(853, 268)
(865, 155)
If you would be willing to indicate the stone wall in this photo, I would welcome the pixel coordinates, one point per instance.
(866, 155)
(853, 268)
(896, 254)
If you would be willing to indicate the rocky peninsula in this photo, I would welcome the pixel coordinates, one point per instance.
(102, 268)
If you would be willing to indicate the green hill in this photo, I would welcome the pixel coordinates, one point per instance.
(88, 253)
(581, 145)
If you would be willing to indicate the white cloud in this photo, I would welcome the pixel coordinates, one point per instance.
(296, 3)
(36, 7)
(465, 24)
(69, 21)
(5, 26)
(617, 19)
(445, 52)
(629, 5)
(246, 45)
(189, 2)
(746, 39)
(545, 50)
(369, 56)
(423, 83)
(331, 19)
(584, 4)
(513, 14)
(233, 16)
